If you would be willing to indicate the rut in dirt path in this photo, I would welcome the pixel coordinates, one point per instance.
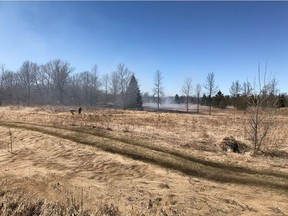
(162, 156)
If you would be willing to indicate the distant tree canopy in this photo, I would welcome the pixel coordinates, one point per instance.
(134, 97)
(219, 100)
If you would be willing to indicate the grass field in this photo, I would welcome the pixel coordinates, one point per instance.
(115, 162)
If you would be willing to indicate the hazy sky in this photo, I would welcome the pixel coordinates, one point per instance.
(181, 39)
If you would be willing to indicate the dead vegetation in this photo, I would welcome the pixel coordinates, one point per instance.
(165, 163)
(232, 145)
(18, 204)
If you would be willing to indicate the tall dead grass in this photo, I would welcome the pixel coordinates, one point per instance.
(165, 157)
(21, 205)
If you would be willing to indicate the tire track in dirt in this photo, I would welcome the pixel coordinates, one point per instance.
(158, 156)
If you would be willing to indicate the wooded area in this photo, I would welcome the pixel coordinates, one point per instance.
(54, 83)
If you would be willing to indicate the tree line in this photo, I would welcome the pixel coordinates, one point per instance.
(241, 95)
(54, 83)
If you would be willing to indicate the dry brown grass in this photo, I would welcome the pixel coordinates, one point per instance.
(49, 167)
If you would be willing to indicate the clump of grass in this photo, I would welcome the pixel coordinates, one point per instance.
(109, 210)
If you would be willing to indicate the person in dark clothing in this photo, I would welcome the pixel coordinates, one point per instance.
(79, 110)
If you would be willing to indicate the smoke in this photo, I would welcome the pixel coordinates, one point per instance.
(168, 104)
(168, 101)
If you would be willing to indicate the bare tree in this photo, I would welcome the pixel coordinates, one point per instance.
(124, 77)
(247, 88)
(186, 90)
(198, 92)
(210, 86)
(86, 86)
(114, 85)
(9, 86)
(27, 76)
(46, 81)
(2, 70)
(158, 88)
(235, 88)
(90, 84)
(235, 91)
(36, 70)
(105, 81)
(96, 84)
(75, 90)
(261, 110)
(61, 71)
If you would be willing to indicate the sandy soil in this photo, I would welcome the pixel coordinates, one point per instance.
(44, 166)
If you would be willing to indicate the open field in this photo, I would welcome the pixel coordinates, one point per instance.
(136, 163)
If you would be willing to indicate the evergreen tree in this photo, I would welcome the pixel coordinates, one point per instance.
(219, 101)
(134, 97)
(177, 99)
(241, 102)
(281, 102)
(204, 100)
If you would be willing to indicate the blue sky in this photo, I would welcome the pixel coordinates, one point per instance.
(181, 39)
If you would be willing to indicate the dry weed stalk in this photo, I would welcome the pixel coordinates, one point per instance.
(275, 141)
(11, 141)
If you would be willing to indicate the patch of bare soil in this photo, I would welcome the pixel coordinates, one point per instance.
(49, 171)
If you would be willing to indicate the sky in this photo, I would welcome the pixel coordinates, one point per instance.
(181, 39)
